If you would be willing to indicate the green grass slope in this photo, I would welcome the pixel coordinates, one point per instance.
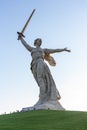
(44, 120)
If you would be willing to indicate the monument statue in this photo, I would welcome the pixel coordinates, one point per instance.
(49, 95)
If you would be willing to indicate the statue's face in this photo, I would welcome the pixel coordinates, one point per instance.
(38, 42)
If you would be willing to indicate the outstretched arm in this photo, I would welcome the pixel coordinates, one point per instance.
(50, 51)
(27, 46)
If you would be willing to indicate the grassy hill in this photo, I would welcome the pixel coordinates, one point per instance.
(44, 120)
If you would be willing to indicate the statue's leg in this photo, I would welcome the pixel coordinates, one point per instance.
(40, 77)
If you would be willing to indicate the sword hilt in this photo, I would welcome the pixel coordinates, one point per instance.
(20, 35)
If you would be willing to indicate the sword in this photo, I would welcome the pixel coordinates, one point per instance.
(22, 31)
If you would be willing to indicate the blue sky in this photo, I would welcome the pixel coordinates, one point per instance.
(60, 23)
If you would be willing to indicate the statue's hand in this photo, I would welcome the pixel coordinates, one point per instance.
(65, 49)
(20, 35)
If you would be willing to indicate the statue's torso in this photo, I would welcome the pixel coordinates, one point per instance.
(37, 53)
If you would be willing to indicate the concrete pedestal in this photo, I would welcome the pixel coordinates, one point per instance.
(49, 105)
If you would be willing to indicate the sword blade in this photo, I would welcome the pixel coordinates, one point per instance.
(22, 31)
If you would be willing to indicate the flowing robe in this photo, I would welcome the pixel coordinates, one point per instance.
(43, 77)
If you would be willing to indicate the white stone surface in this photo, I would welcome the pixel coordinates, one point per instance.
(50, 105)
(49, 95)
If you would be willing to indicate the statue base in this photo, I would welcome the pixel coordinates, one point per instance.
(49, 105)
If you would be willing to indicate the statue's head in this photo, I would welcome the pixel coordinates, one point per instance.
(38, 42)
